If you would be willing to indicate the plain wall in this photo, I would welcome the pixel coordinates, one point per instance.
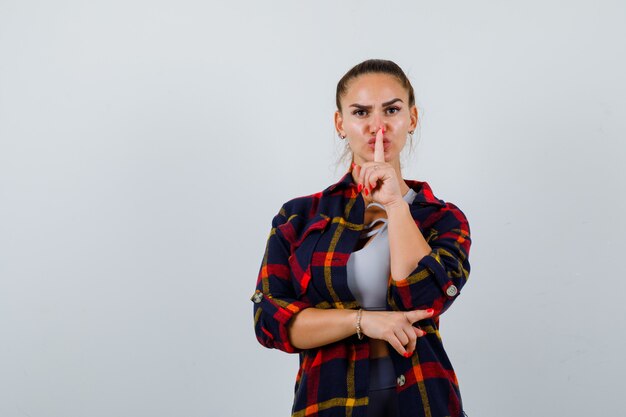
(146, 145)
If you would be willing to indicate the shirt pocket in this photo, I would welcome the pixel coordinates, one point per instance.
(302, 252)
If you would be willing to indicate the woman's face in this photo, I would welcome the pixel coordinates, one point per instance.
(371, 101)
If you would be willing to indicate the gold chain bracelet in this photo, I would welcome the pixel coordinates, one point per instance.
(359, 333)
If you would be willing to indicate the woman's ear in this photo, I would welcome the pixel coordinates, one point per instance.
(339, 122)
(414, 118)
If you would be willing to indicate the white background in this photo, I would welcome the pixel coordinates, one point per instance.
(146, 145)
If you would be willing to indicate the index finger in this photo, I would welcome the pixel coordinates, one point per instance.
(379, 149)
(417, 315)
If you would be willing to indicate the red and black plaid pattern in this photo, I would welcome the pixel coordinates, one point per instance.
(304, 265)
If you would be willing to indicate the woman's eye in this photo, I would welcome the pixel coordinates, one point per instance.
(391, 110)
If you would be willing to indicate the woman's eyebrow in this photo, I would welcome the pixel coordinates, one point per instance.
(388, 103)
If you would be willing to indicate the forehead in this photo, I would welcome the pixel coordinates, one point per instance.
(375, 87)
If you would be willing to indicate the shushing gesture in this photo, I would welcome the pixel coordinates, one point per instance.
(378, 178)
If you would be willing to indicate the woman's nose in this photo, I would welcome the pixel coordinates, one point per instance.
(376, 125)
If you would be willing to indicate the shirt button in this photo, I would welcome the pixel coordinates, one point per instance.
(401, 380)
(257, 297)
(452, 291)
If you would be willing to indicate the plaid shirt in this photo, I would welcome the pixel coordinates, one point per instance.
(304, 265)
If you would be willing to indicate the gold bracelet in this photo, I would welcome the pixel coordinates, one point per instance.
(359, 333)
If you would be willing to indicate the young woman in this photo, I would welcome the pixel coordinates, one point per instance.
(355, 277)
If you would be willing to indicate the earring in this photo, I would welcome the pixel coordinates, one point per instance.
(341, 136)
(411, 132)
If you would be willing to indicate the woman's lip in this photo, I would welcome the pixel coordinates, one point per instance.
(373, 140)
(386, 145)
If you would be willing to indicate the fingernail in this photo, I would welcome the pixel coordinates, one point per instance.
(383, 129)
(359, 188)
(430, 311)
(424, 333)
(407, 354)
(366, 192)
(353, 164)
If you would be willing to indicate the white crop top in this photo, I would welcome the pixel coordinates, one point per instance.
(369, 267)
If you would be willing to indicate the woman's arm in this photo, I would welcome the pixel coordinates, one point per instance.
(314, 327)
(406, 242)
(439, 276)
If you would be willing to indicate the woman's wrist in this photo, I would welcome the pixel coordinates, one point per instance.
(314, 327)
(397, 208)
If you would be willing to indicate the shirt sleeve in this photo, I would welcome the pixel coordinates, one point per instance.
(275, 299)
(439, 276)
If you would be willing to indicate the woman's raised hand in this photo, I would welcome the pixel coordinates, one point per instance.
(395, 327)
(378, 177)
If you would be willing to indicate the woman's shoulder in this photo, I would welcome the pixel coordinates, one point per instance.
(313, 211)
(434, 212)
(426, 198)
(319, 202)
(302, 206)
(425, 194)
(299, 215)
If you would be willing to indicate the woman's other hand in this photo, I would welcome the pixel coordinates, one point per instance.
(395, 327)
